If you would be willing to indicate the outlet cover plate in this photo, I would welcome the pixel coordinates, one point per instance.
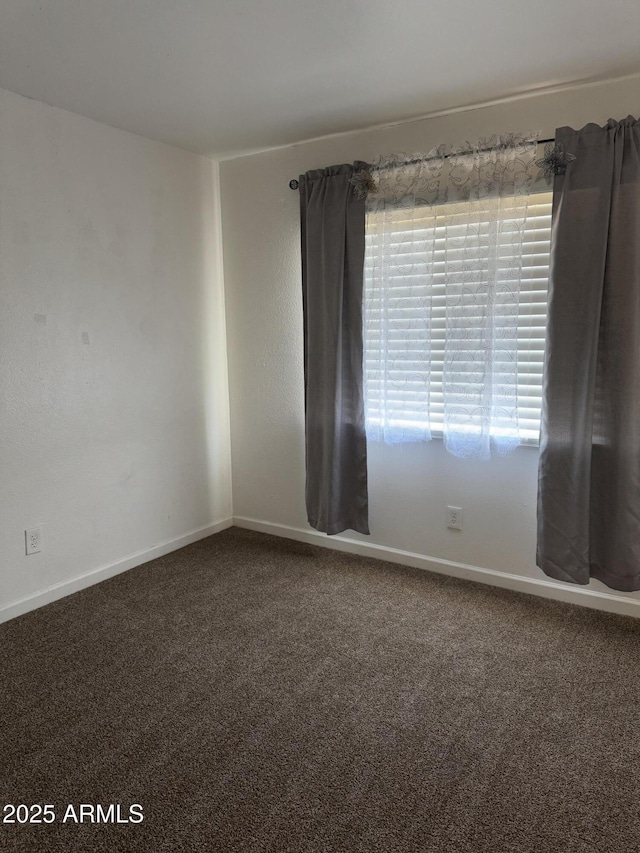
(33, 540)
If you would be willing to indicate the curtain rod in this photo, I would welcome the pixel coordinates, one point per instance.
(293, 184)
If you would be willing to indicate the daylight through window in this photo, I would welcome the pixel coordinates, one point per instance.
(403, 344)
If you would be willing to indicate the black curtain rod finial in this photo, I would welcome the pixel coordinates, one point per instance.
(293, 184)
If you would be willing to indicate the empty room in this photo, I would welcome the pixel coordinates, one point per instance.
(319, 426)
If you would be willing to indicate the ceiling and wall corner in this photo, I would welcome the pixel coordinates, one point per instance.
(229, 77)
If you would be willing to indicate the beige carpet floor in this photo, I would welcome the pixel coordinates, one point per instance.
(254, 694)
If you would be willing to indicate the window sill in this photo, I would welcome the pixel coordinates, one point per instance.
(438, 434)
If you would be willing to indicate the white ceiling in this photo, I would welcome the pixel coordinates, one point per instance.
(225, 77)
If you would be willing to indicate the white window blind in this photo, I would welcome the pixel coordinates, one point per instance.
(419, 267)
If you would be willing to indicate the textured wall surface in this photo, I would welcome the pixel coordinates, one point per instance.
(410, 485)
(113, 382)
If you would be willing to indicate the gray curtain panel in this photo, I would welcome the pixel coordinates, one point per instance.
(589, 473)
(332, 234)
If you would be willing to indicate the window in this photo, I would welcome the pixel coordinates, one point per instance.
(394, 318)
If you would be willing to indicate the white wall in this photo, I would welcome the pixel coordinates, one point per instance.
(114, 430)
(409, 485)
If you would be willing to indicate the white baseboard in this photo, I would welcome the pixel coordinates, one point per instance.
(545, 588)
(61, 590)
(568, 593)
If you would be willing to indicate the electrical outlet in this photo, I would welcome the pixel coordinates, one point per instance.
(454, 517)
(33, 540)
